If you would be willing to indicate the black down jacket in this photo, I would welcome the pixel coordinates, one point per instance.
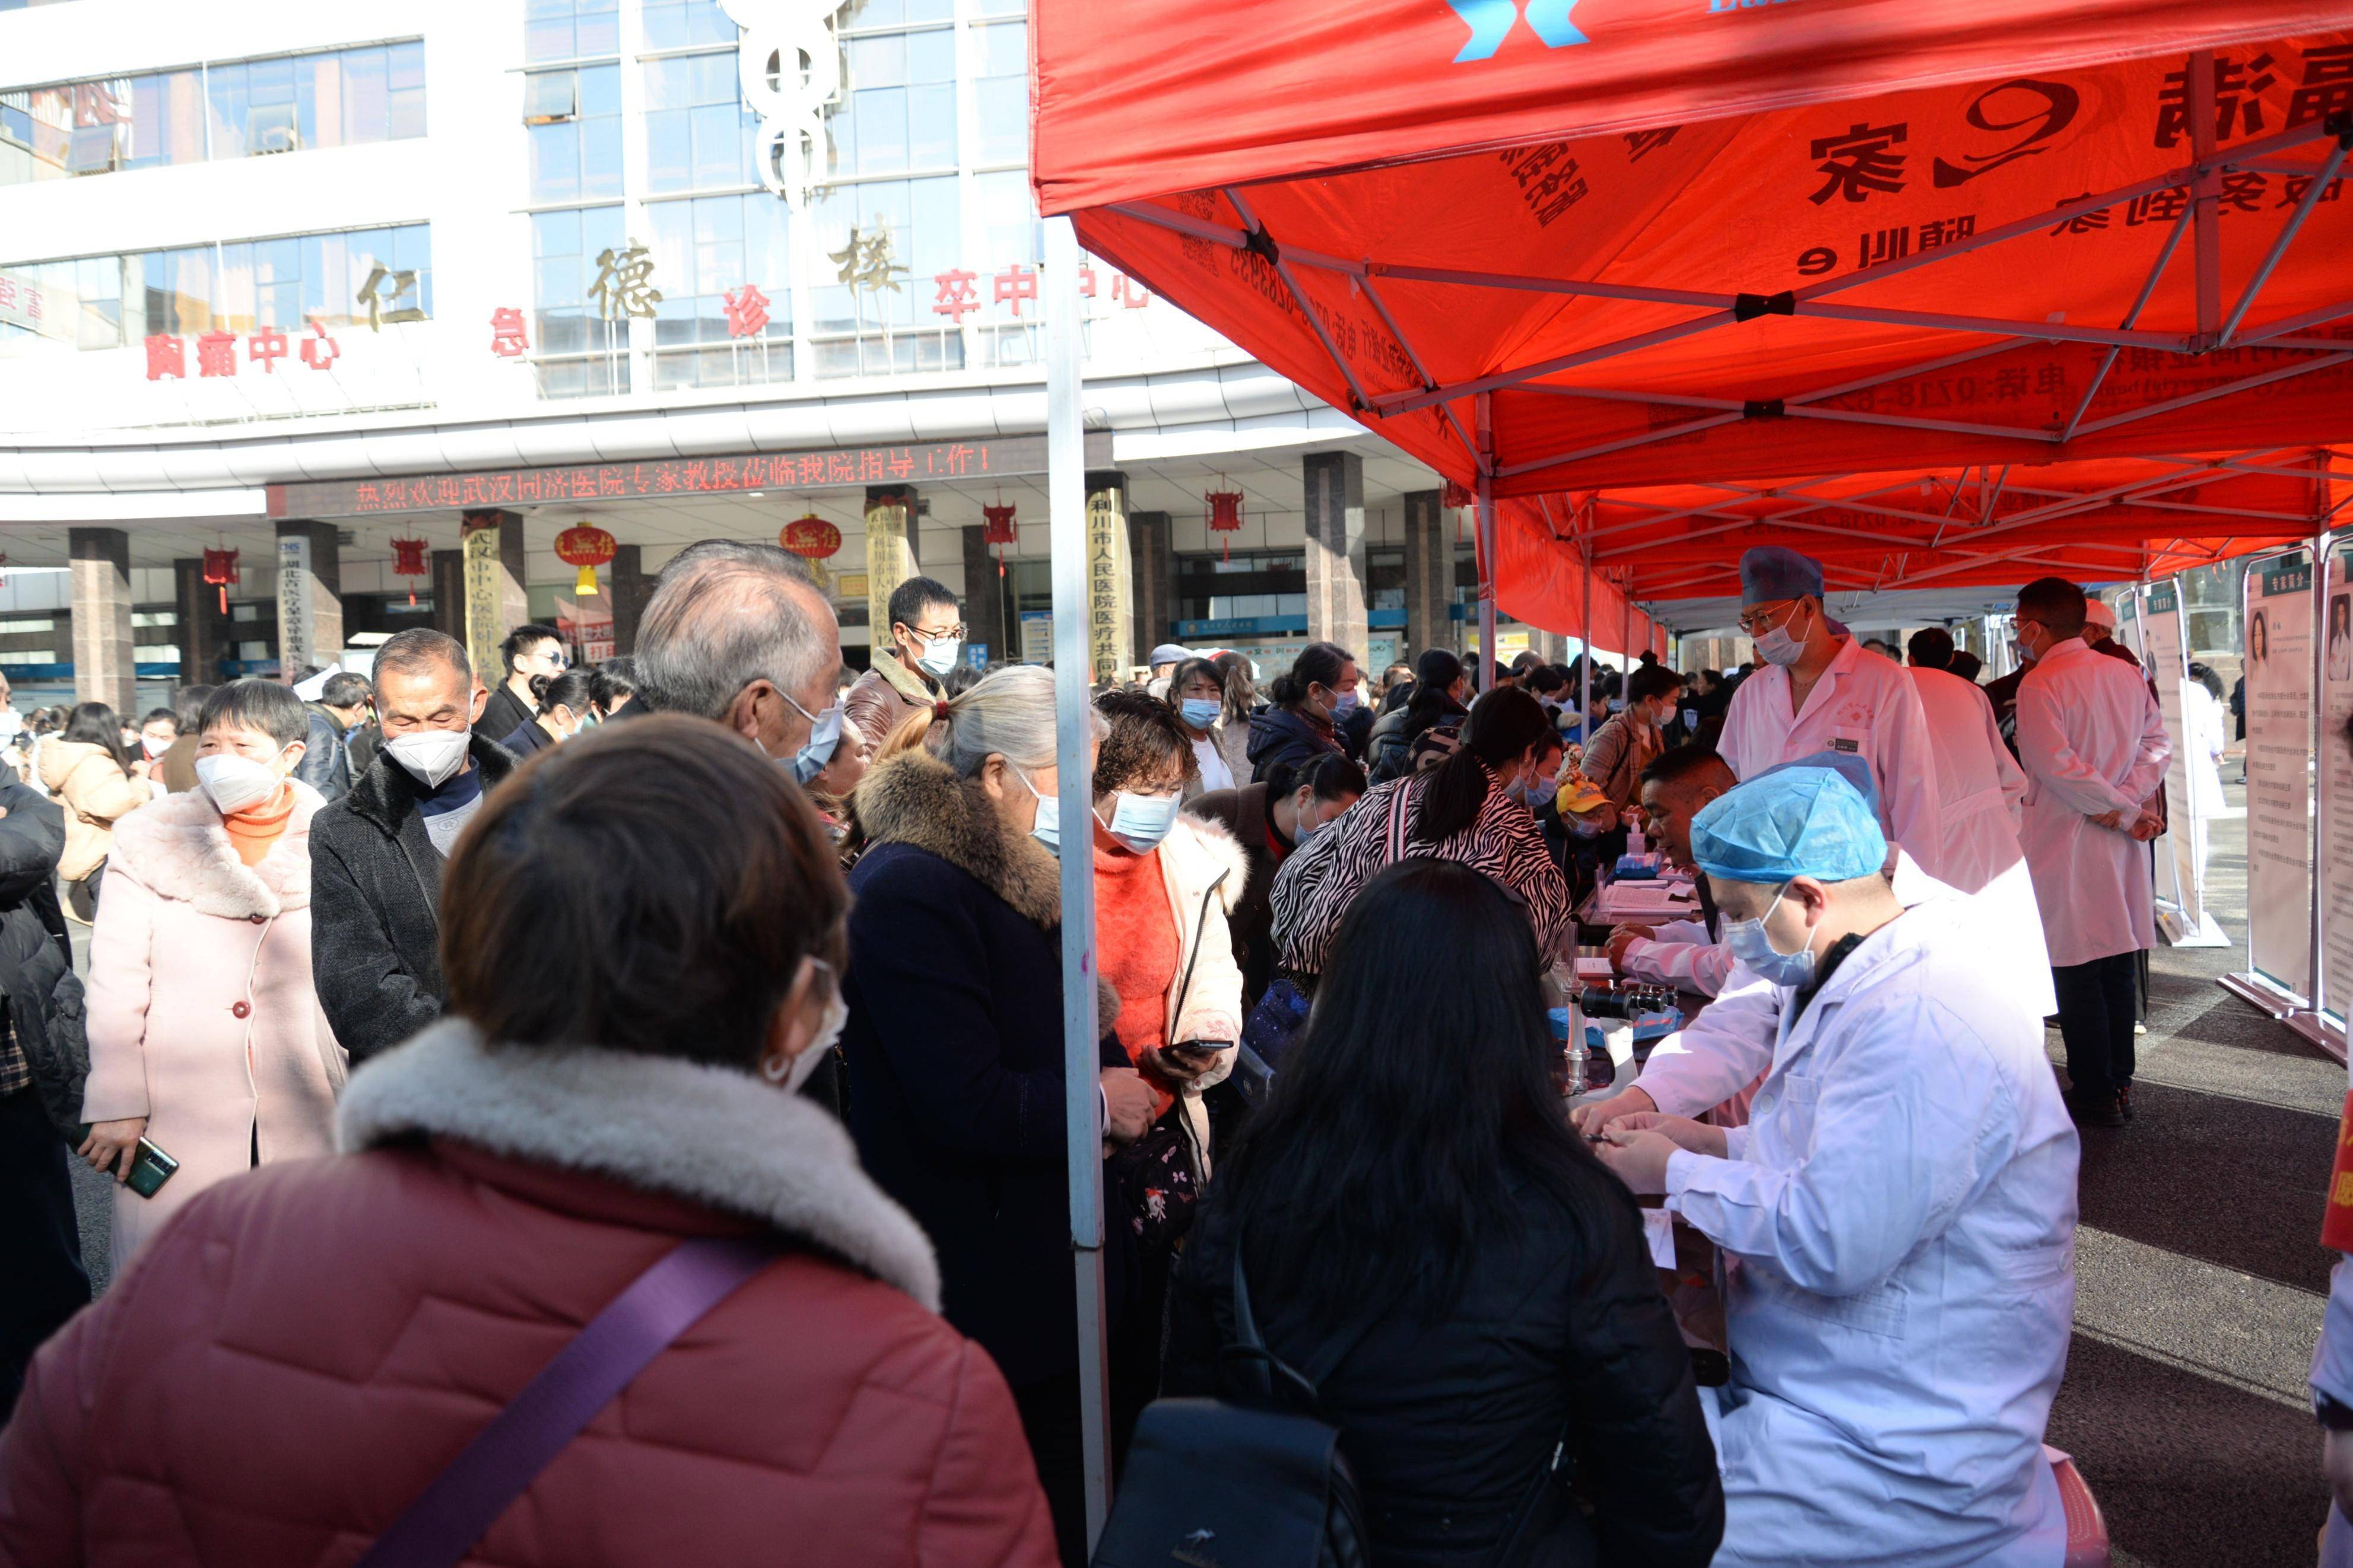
(375, 894)
(1447, 1424)
(35, 959)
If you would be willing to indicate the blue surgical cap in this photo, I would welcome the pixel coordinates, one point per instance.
(1852, 766)
(1796, 821)
(1771, 572)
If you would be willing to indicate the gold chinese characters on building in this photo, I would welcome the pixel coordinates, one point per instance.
(1108, 636)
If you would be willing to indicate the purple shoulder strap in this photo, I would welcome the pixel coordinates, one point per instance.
(507, 1455)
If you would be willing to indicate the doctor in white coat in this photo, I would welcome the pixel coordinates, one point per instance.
(2095, 750)
(1897, 1222)
(1819, 692)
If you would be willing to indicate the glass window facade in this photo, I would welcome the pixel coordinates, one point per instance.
(898, 109)
(571, 29)
(1003, 89)
(704, 250)
(580, 353)
(234, 109)
(574, 117)
(686, 24)
(113, 302)
(698, 137)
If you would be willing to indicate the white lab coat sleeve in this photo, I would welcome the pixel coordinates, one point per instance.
(2006, 770)
(2059, 768)
(1735, 1141)
(1906, 768)
(2156, 752)
(1695, 1070)
(1892, 1153)
(1690, 962)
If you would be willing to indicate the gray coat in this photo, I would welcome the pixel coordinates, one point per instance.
(375, 891)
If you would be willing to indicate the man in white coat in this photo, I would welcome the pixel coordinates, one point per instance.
(1897, 1224)
(1819, 692)
(2095, 751)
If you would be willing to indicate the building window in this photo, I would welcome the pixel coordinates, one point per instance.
(704, 250)
(571, 29)
(896, 13)
(176, 289)
(1003, 92)
(898, 106)
(140, 618)
(288, 283)
(581, 353)
(683, 24)
(698, 137)
(277, 105)
(574, 117)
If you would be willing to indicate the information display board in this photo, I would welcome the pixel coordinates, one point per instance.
(2336, 769)
(2279, 665)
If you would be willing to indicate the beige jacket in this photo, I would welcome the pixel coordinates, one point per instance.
(94, 791)
(1205, 873)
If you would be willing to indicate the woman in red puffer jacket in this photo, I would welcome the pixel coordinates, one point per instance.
(642, 934)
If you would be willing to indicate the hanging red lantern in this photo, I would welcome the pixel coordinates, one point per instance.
(586, 546)
(810, 536)
(220, 570)
(996, 528)
(409, 560)
(1225, 517)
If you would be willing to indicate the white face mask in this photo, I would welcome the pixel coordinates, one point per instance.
(828, 1031)
(1777, 646)
(433, 756)
(1141, 821)
(1048, 828)
(235, 782)
(939, 655)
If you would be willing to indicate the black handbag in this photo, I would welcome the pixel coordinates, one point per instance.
(1213, 1484)
(1210, 1483)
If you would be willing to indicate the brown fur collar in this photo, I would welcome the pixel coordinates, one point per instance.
(914, 798)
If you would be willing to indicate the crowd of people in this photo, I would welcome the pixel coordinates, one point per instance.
(449, 1013)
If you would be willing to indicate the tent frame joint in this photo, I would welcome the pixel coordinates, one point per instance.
(1748, 307)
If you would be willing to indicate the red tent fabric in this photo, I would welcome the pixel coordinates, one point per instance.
(1598, 245)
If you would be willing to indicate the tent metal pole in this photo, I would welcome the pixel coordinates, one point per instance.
(1484, 415)
(2287, 233)
(2317, 964)
(1585, 630)
(1626, 634)
(1074, 674)
(2205, 202)
(2245, 383)
(2148, 287)
(1405, 402)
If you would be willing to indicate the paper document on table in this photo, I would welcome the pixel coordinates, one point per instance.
(1659, 1226)
(1596, 968)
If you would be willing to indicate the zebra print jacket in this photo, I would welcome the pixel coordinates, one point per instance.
(1315, 886)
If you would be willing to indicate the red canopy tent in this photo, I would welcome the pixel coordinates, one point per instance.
(1573, 250)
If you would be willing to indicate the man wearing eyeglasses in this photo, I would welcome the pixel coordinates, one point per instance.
(926, 641)
(1821, 692)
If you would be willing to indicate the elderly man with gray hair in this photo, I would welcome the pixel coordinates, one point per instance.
(740, 634)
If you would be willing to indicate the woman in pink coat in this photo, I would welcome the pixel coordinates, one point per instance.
(206, 1035)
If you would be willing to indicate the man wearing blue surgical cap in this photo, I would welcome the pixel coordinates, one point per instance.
(1896, 1220)
(1821, 692)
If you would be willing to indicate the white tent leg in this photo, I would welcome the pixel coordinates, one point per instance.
(1487, 660)
(1066, 496)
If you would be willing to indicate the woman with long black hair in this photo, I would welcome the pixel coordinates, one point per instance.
(1477, 807)
(1310, 700)
(1422, 1121)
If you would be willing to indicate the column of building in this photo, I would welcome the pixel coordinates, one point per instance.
(102, 648)
(493, 601)
(891, 536)
(204, 636)
(310, 597)
(1335, 549)
(1151, 567)
(1429, 574)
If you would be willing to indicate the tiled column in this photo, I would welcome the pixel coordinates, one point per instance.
(310, 597)
(631, 589)
(984, 595)
(1429, 573)
(1335, 549)
(203, 625)
(103, 671)
(495, 601)
(890, 560)
(449, 592)
(1151, 566)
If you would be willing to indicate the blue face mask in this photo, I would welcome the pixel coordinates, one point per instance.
(825, 735)
(1141, 821)
(1345, 704)
(1048, 828)
(1200, 712)
(1747, 941)
(1535, 793)
(939, 655)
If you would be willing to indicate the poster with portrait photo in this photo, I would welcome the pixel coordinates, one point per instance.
(2336, 767)
(2279, 773)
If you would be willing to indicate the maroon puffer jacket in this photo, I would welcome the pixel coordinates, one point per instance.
(303, 1348)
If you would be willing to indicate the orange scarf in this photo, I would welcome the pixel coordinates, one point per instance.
(252, 831)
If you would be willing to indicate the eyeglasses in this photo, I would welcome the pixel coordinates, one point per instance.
(1764, 615)
(956, 631)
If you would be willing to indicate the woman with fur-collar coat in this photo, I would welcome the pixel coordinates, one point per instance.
(202, 1018)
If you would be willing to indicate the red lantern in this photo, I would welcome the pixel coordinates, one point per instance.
(996, 528)
(220, 570)
(1225, 517)
(409, 560)
(811, 537)
(586, 546)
